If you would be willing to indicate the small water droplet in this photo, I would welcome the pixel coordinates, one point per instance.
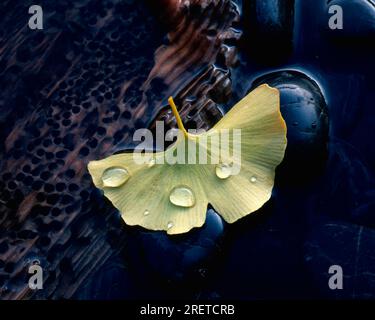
(203, 272)
(182, 196)
(169, 225)
(253, 179)
(295, 123)
(223, 170)
(115, 177)
(146, 213)
(151, 163)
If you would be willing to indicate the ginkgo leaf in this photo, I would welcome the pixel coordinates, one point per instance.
(174, 197)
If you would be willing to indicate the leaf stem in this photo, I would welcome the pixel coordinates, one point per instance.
(177, 116)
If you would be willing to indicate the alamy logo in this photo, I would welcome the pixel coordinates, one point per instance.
(200, 148)
(36, 20)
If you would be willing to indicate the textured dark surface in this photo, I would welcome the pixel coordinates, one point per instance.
(355, 257)
(78, 89)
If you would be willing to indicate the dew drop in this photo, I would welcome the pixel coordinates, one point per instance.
(182, 196)
(36, 261)
(115, 176)
(146, 213)
(253, 179)
(223, 170)
(169, 225)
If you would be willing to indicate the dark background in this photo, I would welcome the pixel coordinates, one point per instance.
(76, 91)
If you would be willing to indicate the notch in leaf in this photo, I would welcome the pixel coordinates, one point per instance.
(174, 197)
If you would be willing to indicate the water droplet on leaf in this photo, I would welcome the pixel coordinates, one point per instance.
(253, 179)
(170, 225)
(182, 196)
(146, 213)
(115, 177)
(223, 170)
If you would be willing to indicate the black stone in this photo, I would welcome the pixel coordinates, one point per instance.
(175, 258)
(304, 110)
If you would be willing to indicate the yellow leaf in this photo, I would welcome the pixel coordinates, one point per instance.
(174, 197)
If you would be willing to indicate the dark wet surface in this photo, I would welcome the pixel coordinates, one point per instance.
(77, 90)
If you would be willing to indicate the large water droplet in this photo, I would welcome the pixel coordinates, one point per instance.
(169, 225)
(115, 177)
(253, 179)
(223, 170)
(182, 196)
(146, 213)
